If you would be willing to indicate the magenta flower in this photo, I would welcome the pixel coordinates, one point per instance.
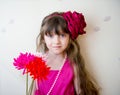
(22, 61)
(76, 23)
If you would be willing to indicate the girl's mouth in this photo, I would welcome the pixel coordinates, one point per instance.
(56, 47)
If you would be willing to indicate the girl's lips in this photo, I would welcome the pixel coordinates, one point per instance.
(56, 46)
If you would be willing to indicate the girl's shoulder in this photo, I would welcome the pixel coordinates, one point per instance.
(40, 54)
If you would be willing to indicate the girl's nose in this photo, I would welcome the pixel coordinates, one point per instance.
(56, 39)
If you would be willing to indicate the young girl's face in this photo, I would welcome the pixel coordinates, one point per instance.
(57, 43)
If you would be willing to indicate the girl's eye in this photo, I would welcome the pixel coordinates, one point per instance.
(62, 35)
(49, 35)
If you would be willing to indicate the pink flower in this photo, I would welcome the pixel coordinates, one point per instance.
(32, 64)
(22, 61)
(76, 23)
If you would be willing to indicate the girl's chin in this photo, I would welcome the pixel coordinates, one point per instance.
(58, 52)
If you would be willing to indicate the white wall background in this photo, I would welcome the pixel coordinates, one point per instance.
(19, 25)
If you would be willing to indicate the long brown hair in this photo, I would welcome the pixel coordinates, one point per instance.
(85, 85)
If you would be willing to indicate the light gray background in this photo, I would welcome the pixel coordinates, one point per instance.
(19, 25)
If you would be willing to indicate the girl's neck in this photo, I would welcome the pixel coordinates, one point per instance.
(55, 61)
(52, 55)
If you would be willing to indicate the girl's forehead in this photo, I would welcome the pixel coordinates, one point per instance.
(57, 31)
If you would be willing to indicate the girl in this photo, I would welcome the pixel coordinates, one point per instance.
(58, 44)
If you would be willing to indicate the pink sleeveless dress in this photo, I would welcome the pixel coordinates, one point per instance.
(64, 84)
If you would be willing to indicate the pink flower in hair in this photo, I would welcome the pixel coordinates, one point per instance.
(76, 23)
